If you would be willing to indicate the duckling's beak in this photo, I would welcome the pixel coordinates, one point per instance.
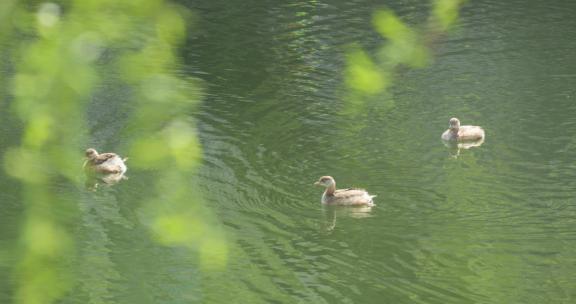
(317, 184)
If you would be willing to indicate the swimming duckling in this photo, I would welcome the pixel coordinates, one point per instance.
(459, 133)
(105, 163)
(344, 197)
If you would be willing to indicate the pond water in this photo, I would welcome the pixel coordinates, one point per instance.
(490, 224)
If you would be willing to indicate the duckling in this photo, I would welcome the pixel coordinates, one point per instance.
(104, 163)
(344, 197)
(459, 133)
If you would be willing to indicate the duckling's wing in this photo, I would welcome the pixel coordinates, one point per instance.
(349, 192)
(350, 189)
(471, 133)
(471, 128)
(353, 196)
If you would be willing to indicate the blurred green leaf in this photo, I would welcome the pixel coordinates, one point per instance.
(362, 74)
(404, 45)
(446, 12)
(58, 68)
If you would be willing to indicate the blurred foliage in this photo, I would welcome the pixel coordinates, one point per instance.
(57, 63)
(445, 13)
(405, 45)
(363, 74)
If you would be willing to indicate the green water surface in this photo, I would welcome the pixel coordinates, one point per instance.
(491, 224)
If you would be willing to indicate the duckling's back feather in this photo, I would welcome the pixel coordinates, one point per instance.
(104, 157)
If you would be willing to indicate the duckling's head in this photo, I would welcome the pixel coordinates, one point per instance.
(91, 153)
(454, 123)
(325, 181)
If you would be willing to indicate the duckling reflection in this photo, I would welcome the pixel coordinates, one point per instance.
(93, 181)
(332, 212)
(454, 148)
